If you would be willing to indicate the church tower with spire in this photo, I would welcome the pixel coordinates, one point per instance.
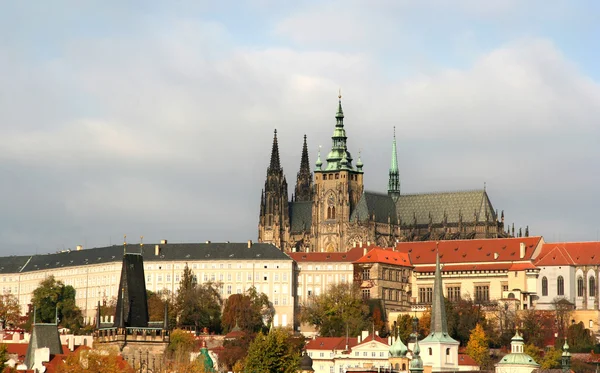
(274, 218)
(304, 181)
(394, 180)
(440, 351)
(338, 189)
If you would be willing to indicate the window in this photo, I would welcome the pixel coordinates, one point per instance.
(482, 293)
(430, 351)
(580, 290)
(331, 212)
(560, 286)
(504, 287)
(544, 286)
(592, 287)
(453, 293)
(366, 273)
(228, 289)
(366, 293)
(425, 295)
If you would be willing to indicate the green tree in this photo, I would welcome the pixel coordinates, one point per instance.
(198, 305)
(478, 347)
(580, 339)
(338, 309)
(181, 343)
(53, 297)
(249, 311)
(403, 327)
(3, 354)
(533, 351)
(10, 312)
(551, 359)
(273, 352)
(463, 315)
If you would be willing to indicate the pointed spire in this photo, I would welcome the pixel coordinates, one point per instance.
(416, 363)
(338, 143)
(275, 165)
(319, 162)
(394, 175)
(340, 112)
(439, 323)
(304, 181)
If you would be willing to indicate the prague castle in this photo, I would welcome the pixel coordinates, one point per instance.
(330, 211)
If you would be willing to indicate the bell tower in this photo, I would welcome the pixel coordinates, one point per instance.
(338, 188)
(274, 221)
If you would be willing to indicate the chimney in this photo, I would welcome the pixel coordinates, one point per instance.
(294, 249)
(390, 340)
(359, 339)
(157, 250)
(163, 242)
(249, 244)
(79, 247)
(496, 255)
(368, 243)
(365, 334)
(365, 251)
(522, 253)
(377, 333)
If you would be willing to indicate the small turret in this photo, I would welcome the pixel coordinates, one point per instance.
(566, 358)
(394, 179)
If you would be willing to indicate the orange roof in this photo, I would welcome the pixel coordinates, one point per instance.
(466, 267)
(380, 255)
(352, 255)
(461, 251)
(377, 339)
(569, 253)
(464, 359)
(331, 343)
(522, 266)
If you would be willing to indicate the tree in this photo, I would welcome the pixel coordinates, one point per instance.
(52, 298)
(551, 359)
(198, 305)
(181, 343)
(252, 312)
(580, 339)
(3, 354)
(478, 347)
(463, 315)
(94, 361)
(403, 327)
(562, 314)
(273, 352)
(538, 326)
(339, 309)
(533, 351)
(501, 321)
(10, 312)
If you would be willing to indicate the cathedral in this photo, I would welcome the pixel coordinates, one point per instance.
(330, 211)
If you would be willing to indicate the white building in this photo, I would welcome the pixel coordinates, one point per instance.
(95, 273)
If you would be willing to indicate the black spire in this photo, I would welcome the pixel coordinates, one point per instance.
(304, 181)
(275, 165)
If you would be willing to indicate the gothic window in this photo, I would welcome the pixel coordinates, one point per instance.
(544, 286)
(560, 286)
(580, 290)
(592, 287)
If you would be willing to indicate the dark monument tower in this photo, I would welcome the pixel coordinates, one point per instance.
(132, 303)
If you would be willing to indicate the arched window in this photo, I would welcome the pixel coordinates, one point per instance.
(560, 286)
(403, 366)
(332, 212)
(544, 286)
(447, 351)
(580, 291)
(592, 286)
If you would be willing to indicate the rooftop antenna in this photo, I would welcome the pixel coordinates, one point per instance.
(141, 244)
(124, 244)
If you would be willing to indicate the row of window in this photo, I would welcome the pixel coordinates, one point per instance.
(481, 292)
(221, 277)
(560, 286)
(395, 295)
(330, 267)
(317, 278)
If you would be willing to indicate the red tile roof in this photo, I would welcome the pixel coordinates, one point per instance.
(380, 255)
(569, 253)
(470, 251)
(522, 266)
(352, 255)
(467, 267)
(464, 359)
(377, 339)
(331, 343)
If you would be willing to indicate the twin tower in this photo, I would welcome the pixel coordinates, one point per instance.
(331, 212)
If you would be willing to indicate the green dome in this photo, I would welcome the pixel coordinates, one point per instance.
(518, 359)
(398, 348)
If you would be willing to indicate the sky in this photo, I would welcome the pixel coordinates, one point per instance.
(155, 119)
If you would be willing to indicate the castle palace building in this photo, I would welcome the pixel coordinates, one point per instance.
(330, 211)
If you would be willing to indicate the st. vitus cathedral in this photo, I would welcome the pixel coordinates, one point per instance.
(333, 212)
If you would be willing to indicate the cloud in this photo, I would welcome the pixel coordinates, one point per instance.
(166, 131)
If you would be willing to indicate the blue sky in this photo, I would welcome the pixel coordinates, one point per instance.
(156, 119)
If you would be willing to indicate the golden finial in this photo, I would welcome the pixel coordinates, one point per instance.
(124, 244)
(340, 93)
(141, 240)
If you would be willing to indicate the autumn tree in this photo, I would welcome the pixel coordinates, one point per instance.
(10, 312)
(181, 343)
(537, 326)
(580, 339)
(94, 361)
(562, 315)
(338, 309)
(198, 305)
(462, 317)
(551, 359)
(478, 347)
(3, 354)
(273, 352)
(251, 311)
(53, 297)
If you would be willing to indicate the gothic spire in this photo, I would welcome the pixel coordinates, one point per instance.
(275, 165)
(304, 181)
(439, 323)
(339, 149)
(394, 180)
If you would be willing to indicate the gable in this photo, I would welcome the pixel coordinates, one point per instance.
(379, 206)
